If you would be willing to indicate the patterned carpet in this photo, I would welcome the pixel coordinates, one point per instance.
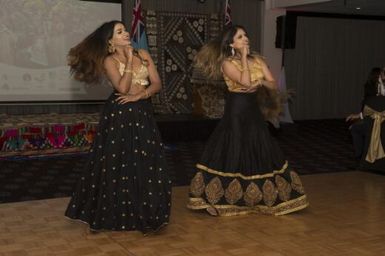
(310, 146)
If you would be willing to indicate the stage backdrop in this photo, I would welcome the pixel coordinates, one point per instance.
(174, 38)
(35, 37)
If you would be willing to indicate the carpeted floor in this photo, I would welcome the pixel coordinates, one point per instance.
(310, 146)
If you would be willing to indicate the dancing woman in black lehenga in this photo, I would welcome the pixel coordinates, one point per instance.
(242, 169)
(125, 185)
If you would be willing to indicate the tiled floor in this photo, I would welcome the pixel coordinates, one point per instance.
(345, 218)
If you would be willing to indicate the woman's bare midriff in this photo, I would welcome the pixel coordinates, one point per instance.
(135, 89)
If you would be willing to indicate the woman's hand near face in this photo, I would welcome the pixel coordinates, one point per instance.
(245, 51)
(128, 53)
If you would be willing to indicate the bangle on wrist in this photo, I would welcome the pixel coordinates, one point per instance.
(127, 71)
(147, 93)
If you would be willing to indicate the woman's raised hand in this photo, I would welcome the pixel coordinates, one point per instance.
(128, 52)
(245, 50)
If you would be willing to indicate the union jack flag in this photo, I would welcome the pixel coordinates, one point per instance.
(228, 21)
(138, 33)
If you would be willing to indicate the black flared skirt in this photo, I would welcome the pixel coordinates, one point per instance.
(125, 184)
(242, 168)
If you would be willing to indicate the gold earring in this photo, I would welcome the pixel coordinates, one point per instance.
(111, 47)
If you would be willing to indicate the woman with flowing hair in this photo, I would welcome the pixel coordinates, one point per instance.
(242, 169)
(125, 185)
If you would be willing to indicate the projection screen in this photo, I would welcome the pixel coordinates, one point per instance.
(35, 37)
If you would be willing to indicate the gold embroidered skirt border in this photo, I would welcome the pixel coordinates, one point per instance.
(240, 175)
(226, 194)
(294, 205)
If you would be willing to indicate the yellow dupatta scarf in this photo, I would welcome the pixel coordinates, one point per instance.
(375, 150)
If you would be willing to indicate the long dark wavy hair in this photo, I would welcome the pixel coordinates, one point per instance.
(86, 59)
(210, 57)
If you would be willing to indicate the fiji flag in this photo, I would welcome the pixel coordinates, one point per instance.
(228, 21)
(138, 34)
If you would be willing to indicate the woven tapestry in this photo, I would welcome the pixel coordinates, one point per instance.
(173, 40)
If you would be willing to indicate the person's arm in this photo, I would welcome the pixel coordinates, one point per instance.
(155, 82)
(233, 73)
(353, 117)
(122, 84)
(153, 76)
(245, 78)
(268, 79)
(240, 76)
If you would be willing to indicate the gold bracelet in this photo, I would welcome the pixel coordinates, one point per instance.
(147, 94)
(127, 71)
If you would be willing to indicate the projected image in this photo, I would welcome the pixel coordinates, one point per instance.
(35, 37)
